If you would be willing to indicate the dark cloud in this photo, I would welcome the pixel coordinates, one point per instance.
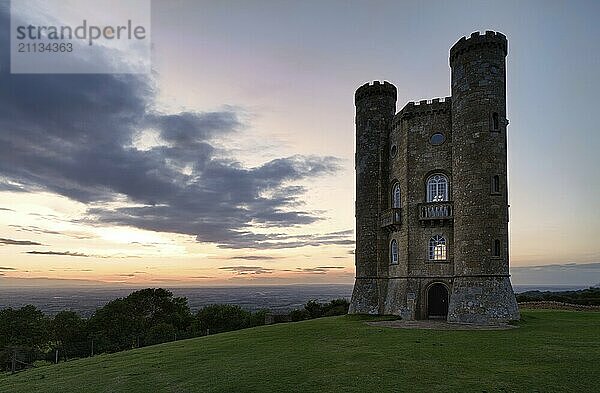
(254, 257)
(60, 253)
(7, 268)
(75, 135)
(42, 231)
(201, 277)
(318, 269)
(253, 270)
(6, 209)
(280, 241)
(13, 242)
(80, 254)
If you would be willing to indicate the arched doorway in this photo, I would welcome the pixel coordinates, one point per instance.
(437, 301)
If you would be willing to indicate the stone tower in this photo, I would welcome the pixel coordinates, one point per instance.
(375, 110)
(432, 197)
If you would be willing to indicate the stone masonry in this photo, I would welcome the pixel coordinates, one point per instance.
(432, 197)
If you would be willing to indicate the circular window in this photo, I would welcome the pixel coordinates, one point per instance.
(437, 139)
(394, 150)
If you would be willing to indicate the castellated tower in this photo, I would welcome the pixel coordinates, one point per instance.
(375, 110)
(432, 197)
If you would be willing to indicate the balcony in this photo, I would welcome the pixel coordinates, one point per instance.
(391, 219)
(434, 212)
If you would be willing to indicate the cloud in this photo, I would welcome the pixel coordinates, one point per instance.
(80, 254)
(61, 253)
(19, 242)
(557, 274)
(242, 270)
(7, 268)
(254, 257)
(318, 269)
(42, 231)
(280, 241)
(75, 135)
(6, 209)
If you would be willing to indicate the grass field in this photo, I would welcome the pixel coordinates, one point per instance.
(551, 351)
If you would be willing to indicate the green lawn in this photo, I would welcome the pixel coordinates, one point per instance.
(551, 351)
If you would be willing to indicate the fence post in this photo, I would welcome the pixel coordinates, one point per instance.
(56, 357)
(92, 347)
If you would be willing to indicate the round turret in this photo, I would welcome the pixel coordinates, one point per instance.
(479, 180)
(375, 110)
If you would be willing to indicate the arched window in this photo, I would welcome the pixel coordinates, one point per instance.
(496, 250)
(394, 252)
(495, 121)
(396, 195)
(437, 188)
(496, 184)
(437, 248)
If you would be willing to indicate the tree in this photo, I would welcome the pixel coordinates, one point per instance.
(26, 327)
(161, 333)
(314, 309)
(68, 330)
(219, 318)
(126, 322)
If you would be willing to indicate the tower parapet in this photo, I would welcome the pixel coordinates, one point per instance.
(477, 40)
(376, 88)
(424, 107)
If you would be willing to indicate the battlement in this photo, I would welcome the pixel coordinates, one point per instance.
(477, 39)
(375, 88)
(424, 107)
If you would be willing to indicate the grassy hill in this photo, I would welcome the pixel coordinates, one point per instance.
(551, 351)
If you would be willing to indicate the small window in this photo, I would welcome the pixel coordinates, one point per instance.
(396, 195)
(394, 252)
(393, 151)
(496, 184)
(437, 188)
(437, 139)
(495, 122)
(496, 250)
(437, 248)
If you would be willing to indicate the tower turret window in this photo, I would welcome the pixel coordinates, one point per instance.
(394, 252)
(437, 248)
(437, 188)
(496, 249)
(396, 195)
(496, 184)
(495, 122)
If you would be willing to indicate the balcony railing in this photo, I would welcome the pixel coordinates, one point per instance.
(436, 211)
(391, 218)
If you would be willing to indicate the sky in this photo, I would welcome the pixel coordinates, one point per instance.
(232, 162)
